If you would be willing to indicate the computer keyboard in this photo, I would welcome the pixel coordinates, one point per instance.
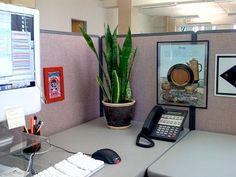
(77, 165)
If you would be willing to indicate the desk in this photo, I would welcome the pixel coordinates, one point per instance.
(198, 154)
(94, 135)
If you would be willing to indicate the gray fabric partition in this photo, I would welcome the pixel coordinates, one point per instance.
(81, 90)
(82, 93)
(221, 113)
(144, 74)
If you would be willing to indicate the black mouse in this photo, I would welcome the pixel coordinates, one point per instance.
(107, 155)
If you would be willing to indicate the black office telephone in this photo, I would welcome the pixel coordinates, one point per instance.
(162, 124)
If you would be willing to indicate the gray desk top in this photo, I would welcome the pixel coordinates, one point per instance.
(94, 135)
(199, 154)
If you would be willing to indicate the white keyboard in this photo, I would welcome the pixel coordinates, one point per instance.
(77, 165)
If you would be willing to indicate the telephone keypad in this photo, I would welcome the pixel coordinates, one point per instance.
(169, 127)
(167, 131)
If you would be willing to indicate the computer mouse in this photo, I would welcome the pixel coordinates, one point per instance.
(109, 156)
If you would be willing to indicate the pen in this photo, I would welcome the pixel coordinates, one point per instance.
(32, 125)
(35, 124)
(40, 127)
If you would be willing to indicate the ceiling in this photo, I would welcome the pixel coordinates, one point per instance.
(215, 12)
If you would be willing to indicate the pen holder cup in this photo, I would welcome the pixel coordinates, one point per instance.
(35, 145)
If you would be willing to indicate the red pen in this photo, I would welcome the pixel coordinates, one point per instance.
(32, 125)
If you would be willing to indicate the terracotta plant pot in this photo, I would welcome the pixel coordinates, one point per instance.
(118, 115)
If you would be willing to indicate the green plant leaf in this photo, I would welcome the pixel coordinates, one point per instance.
(108, 85)
(120, 56)
(114, 59)
(89, 41)
(110, 53)
(124, 63)
(115, 88)
(131, 60)
(100, 83)
(128, 92)
(91, 45)
(108, 50)
(127, 46)
(119, 62)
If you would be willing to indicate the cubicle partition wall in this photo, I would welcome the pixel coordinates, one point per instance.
(80, 67)
(82, 92)
(144, 74)
(221, 113)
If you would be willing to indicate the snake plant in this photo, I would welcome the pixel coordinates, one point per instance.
(119, 62)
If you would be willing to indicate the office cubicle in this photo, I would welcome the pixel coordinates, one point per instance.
(82, 93)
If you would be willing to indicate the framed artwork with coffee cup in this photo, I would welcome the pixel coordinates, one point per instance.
(182, 73)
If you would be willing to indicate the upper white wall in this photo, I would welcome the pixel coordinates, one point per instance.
(57, 14)
(147, 24)
(112, 17)
(140, 23)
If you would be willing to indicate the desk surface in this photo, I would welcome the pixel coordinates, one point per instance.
(94, 135)
(198, 154)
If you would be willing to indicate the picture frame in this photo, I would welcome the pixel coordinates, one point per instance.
(182, 73)
(225, 72)
(53, 84)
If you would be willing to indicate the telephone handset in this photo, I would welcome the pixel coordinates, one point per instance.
(162, 124)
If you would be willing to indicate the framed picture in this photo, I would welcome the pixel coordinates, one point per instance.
(225, 75)
(53, 84)
(182, 73)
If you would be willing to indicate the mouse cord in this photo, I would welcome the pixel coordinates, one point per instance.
(71, 152)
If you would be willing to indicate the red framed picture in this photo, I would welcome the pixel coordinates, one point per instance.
(53, 84)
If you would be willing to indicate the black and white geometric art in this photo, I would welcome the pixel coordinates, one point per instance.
(225, 75)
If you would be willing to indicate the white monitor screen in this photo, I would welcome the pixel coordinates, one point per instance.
(19, 59)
